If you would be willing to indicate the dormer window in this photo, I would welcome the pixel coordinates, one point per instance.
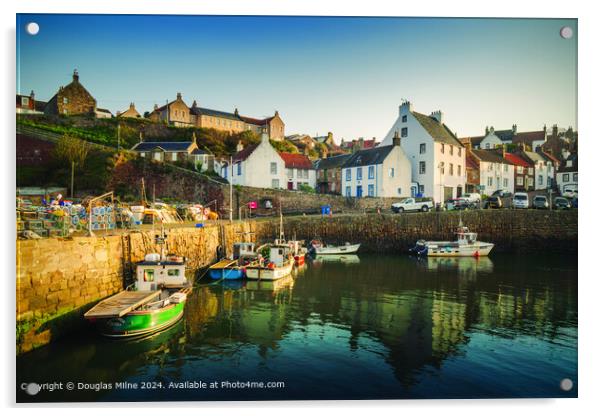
(404, 119)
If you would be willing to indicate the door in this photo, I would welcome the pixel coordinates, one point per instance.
(448, 193)
(358, 192)
(290, 185)
(459, 192)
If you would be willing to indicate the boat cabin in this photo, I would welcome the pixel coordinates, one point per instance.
(465, 236)
(279, 254)
(155, 273)
(243, 250)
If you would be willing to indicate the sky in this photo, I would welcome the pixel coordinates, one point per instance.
(338, 74)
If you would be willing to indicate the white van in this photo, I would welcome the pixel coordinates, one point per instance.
(520, 200)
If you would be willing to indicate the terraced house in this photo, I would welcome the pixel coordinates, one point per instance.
(436, 155)
(495, 172)
(178, 114)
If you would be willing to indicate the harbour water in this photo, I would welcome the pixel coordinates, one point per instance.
(367, 327)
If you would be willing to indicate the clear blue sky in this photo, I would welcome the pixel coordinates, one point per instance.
(345, 75)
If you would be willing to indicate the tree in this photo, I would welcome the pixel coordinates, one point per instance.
(74, 151)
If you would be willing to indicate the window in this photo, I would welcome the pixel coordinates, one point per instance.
(505, 167)
(519, 169)
(451, 150)
(65, 100)
(505, 182)
(460, 151)
(370, 172)
(25, 101)
(530, 171)
(421, 189)
(173, 272)
(299, 173)
(289, 173)
(275, 183)
(238, 169)
(370, 190)
(404, 132)
(459, 170)
(487, 146)
(149, 275)
(358, 173)
(442, 148)
(348, 175)
(273, 168)
(157, 156)
(392, 173)
(574, 177)
(404, 119)
(565, 177)
(540, 180)
(451, 169)
(305, 174)
(489, 181)
(529, 181)
(519, 180)
(422, 147)
(348, 191)
(489, 167)
(142, 154)
(174, 156)
(398, 191)
(422, 168)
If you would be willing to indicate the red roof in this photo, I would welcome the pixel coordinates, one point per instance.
(550, 156)
(516, 160)
(471, 163)
(296, 160)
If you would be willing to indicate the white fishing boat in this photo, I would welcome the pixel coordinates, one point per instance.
(322, 249)
(279, 264)
(466, 245)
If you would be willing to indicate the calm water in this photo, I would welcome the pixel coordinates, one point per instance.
(368, 327)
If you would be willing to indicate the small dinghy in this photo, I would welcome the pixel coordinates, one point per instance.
(319, 248)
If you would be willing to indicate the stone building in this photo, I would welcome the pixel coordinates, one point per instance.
(129, 113)
(71, 99)
(178, 114)
(329, 173)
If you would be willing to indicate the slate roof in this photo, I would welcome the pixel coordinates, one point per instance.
(474, 141)
(198, 151)
(505, 135)
(296, 161)
(573, 168)
(167, 146)
(535, 157)
(256, 121)
(438, 131)
(368, 157)
(244, 153)
(489, 156)
(333, 161)
(197, 111)
(528, 137)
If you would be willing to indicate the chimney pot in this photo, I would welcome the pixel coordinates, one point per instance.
(179, 96)
(75, 75)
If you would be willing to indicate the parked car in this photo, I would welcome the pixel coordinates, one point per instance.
(502, 193)
(413, 204)
(473, 198)
(493, 202)
(540, 202)
(458, 204)
(520, 200)
(570, 193)
(561, 203)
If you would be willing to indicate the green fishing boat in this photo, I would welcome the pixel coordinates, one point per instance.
(154, 303)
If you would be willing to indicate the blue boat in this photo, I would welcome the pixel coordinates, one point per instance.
(226, 273)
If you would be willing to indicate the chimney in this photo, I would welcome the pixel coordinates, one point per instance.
(504, 150)
(330, 137)
(396, 139)
(194, 104)
(239, 146)
(437, 115)
(156, 107)
(514, 129)
(132, 106)
(194, 136)
(486, 130)
(32, 96)
(141, 136)
(405, 107)
(75, 76)
(236, 112)
(264, 136)
(179, 96)
(354, 146)
(554, 127)
(323, 152)
(275, 113)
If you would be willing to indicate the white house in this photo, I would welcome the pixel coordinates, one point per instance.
(491, 140)
(495, 171)
(299, 171)
(383, 171)
(258, 165)
(437, 157)
(566, 176)
(543, 169)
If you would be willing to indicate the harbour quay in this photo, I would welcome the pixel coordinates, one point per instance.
(58, 279)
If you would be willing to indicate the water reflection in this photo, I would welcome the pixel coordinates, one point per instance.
(437, 327)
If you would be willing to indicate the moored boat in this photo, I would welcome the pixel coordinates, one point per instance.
(279, 264)
(320, 248)
(243, 254)
(155, 302)
(466, 245)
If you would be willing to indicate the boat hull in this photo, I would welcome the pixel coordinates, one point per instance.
(265, 273)
(141, 323)
(350, 249)
(473, 250)
(227, 274)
